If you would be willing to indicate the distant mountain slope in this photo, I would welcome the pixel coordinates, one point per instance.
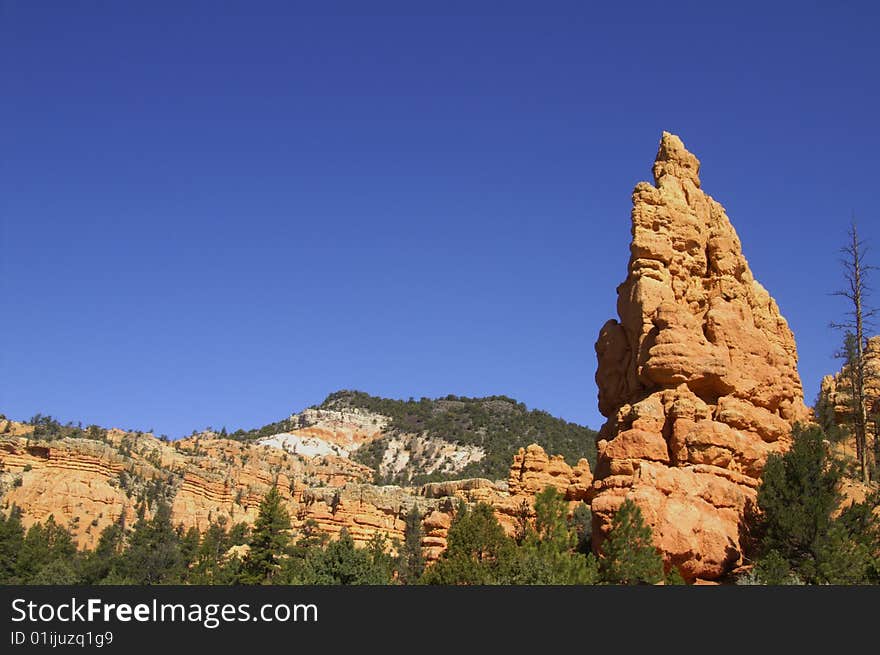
(404, 442)
(427, 440)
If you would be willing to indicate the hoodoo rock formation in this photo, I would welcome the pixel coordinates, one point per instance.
(698, 379)
(533, 470)
(835, 403)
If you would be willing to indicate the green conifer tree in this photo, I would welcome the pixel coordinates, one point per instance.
(153, 554)
(477, 551)
(547, 554)
(11, 540)
(412, 560)
(44, 545)
(106, 557)
(796, 499)
(209, 556)
(269, 541)
(342, 563)
(629, 554)
(801, 535)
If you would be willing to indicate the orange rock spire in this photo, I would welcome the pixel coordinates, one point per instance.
(698, 378)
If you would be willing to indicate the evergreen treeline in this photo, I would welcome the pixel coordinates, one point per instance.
(47, 428)
(549, 550)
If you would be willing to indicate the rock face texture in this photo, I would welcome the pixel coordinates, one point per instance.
(533, 470)
(834, 405)
(698, 378)
(319, 432)
(88, 484)
(77, 484)
(343, 430)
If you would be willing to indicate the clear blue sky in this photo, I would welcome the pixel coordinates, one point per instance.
(218, 213)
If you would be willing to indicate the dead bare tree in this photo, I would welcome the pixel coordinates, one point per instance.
(858, 320)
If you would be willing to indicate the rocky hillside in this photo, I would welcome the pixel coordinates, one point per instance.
(427, 440)
(88, 478)
(89, 482)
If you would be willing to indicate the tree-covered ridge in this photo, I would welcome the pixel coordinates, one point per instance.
(47, 428)
(284, 425)
(498, 424)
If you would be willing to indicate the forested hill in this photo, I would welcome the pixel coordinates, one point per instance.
(496, 425)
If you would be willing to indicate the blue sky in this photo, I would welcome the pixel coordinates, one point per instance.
(218, 213)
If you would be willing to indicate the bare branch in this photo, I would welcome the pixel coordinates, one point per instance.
(855, 271)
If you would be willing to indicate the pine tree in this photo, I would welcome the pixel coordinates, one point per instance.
(299, 567)
(342, 563)
(477, 549)
(797, 496)
(850, 553)
(57, 572)
(674, 577)
(189, 546)
(773, 569)
(412, 560)
(239, 534)
(44, 545)
(547, 554)
(106, 556)
(551, 524)
(269, 540)
(523, 517)
(153, 555)
(382, 563)
(208, 557)
(801, 534)
(582, 518)
(11, 540)
(630, 556)
(842, 559)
